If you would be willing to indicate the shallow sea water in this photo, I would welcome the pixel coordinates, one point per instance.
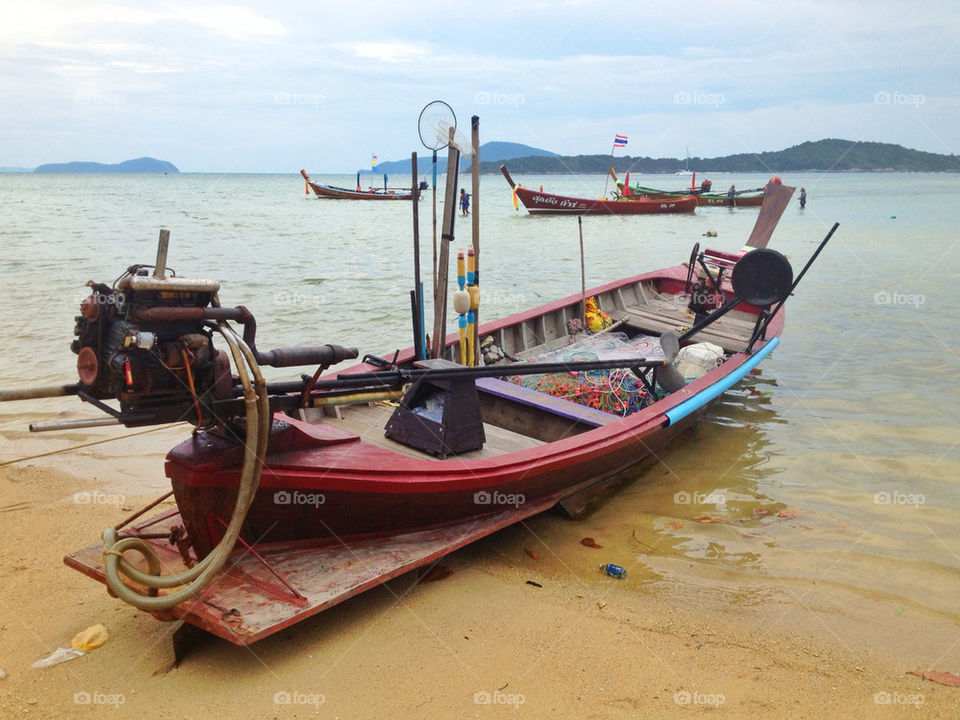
(853, 423)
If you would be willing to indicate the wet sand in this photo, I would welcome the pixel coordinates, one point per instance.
(676, 638)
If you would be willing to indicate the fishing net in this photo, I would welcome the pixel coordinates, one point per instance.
(617, 391)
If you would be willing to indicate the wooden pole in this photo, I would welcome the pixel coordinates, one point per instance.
(475, 171)
(446, 239)
(160, 269)
(417, 285)
(434, 225)
(583, 275)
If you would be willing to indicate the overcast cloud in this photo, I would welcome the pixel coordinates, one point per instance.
(252, 87)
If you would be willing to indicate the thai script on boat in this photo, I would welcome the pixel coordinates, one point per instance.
(698, 498)
(98, 497)
(898, 698)
(285, 497)
(291, 697)
(483, 497)
(565, 203)
(98, 698)
(898, 498)
(483, 697)
(685, 697)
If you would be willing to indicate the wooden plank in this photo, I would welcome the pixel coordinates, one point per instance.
(732, 337)
(543, 401)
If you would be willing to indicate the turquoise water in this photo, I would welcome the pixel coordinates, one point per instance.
(854, 420)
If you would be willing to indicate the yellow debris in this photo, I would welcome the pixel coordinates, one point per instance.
(91, 638)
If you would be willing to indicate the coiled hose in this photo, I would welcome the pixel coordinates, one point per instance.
(258, 417)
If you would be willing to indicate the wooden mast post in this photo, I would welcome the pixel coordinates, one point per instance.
(446, 239)
(418, 341)
(583, 275)
(475, 305)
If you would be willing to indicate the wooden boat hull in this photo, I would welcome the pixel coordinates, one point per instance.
(287, 582)
(541, 203)
(746, 199)
(339, 193)
(738, 201)
(323, 480)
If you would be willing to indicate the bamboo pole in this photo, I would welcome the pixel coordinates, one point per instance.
(583, 275)
(475, 171)
(434, 225)
(417, 284)
(446, 239)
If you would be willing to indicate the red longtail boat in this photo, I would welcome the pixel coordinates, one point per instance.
(292, 497)
(542, 203)
(372, 193)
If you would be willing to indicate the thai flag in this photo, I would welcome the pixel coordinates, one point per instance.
(620, 141)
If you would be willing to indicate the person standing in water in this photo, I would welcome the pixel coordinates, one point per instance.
(803, 197)
(732, 195)
(464, 201)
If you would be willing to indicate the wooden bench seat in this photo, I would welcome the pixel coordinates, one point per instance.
(658, 314)
(544, 401)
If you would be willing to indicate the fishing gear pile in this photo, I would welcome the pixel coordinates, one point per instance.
(617, 391)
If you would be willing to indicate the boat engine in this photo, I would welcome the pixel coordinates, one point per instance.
(145, 343)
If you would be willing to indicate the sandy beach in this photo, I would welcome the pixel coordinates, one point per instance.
(673, 639)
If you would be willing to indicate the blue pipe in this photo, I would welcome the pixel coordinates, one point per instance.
(718, 388)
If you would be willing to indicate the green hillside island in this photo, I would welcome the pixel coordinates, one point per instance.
(140, 165)
(490, 153)
(820, 156)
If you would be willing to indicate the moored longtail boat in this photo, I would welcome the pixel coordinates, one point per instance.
(372, 193)
(741, 198)
(541, 203)
(292, 497)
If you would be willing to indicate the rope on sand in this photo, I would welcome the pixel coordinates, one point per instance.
(91, 443)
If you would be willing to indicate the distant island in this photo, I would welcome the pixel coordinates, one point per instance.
(490, 152)
(140, 165)
(828, 155)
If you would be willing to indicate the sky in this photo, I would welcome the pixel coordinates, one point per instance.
(257, 87)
